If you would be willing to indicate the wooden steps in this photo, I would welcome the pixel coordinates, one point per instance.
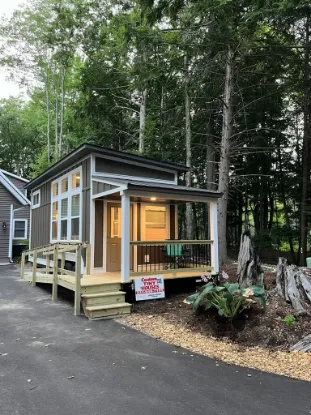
(104, 301)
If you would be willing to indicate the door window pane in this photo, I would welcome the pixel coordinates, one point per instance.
(75, 205)
(75, 229)
(115, 226)
(64, 208)
(63, 230)
(75, 180)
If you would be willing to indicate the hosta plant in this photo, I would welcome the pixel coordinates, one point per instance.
(229, 299)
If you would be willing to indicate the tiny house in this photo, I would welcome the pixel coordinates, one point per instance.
(125, 208)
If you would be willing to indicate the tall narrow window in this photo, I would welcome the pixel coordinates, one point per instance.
(66, 203)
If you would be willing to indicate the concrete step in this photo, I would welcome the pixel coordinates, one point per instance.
(111, 310)
(105, 298)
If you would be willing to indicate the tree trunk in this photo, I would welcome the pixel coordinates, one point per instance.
(62, 114)
(223, 184)
(189, 211)
(142, 121)
(293, 285)
(210, 157)
(305, 150)
(48, 128)
(249, 270)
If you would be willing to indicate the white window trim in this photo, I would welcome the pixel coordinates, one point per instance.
(143, 218)
(26, 229)
(37, 192)
(67, 195)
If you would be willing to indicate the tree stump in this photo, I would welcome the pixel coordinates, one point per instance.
(249, 270)
(293, 285)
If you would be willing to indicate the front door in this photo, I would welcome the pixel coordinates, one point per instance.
(114, 234)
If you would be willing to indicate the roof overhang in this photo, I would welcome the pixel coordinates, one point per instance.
(86, 149)
(147, 189)
(10, 187)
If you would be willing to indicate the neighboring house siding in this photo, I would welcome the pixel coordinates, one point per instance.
(103, 165)
(41, 217)
(6, 200)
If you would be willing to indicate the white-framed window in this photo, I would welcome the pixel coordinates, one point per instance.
(155, 222)
(66, 207)
(20, 229)
(35, 199)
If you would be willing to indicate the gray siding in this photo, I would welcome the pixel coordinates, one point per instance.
(103, 165)
(41, 217)
(6, 200)
(101, 187)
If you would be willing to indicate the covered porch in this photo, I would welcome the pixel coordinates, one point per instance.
(134, 230)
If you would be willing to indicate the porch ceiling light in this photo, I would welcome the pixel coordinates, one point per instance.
(153, 199)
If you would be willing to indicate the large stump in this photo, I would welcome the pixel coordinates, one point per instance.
(293, 285)
(249, 270)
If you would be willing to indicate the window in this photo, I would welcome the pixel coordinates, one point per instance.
(156, 223)
(55, 189)
(75, 180)
(65, 185)
(20, 228)
(66, 208)
(35, 200)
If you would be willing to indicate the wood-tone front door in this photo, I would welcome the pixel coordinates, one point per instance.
(114, 235)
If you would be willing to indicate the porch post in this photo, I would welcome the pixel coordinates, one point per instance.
(213, 223)
(125, 238)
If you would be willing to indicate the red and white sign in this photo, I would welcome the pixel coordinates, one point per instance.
(149, 288)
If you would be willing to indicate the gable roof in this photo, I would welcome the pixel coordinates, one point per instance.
(6, 182)
(86, 149)
(7, 173)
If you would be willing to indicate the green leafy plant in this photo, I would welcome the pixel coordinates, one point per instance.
(229, 299)
(290, 320)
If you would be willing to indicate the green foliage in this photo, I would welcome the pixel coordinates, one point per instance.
(290, 320)
(229, 300)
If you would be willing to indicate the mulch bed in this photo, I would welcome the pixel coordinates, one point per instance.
(254, 328)
(258, 339)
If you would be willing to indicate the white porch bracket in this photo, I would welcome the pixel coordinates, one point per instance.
(213, 223)
(125, 240)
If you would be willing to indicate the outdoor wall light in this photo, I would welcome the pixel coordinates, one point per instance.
(153, 199)
(4, 225)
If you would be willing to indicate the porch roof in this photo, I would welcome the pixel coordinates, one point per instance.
(172, 191)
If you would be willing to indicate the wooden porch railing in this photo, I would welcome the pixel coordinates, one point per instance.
(170, 256)
(57, 254)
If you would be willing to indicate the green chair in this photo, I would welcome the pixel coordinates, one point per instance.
(175, 255)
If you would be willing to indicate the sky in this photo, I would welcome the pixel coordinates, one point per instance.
(8, 88)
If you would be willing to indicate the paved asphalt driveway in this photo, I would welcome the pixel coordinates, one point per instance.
(116, 369)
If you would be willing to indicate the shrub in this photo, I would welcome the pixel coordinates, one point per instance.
(229, 299)
(290, 320)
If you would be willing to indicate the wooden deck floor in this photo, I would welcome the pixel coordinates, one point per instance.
(68, 281)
